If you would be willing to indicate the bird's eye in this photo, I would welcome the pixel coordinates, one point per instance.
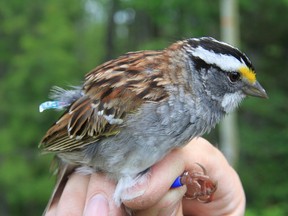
(234, 76)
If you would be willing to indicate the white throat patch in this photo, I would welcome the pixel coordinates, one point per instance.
(231, 101)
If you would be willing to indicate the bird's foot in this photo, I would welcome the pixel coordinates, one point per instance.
(199, 185)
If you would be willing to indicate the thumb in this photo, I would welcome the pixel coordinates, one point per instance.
(99, 198)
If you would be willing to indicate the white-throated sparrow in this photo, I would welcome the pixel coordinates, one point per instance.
(132, 111)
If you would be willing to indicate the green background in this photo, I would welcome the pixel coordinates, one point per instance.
(52, 42)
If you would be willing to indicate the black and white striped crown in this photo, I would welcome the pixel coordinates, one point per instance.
(207, 52)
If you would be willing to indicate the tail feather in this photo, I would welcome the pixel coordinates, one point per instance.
(63, 171)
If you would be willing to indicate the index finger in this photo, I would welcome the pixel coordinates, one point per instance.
(160, 179)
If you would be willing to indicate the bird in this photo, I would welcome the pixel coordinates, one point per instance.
(132, 111)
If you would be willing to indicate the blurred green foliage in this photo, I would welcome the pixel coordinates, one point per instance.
(52, 42)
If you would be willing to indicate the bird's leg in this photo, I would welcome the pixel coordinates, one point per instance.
(131, 187)
(199, 185)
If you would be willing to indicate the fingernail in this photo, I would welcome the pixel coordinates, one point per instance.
(97, 205)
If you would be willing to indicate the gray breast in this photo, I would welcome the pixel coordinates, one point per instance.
(148, 135)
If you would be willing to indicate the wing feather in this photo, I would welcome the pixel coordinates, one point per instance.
(110, 92)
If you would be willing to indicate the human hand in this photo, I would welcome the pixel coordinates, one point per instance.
(79, 195)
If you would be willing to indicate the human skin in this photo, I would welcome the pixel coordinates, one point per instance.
(93, 194)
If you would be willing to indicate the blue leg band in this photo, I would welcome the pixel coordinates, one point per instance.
(177, 183)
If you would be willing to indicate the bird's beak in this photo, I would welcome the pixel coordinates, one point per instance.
(255, 90)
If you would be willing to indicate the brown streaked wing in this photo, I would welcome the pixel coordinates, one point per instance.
(78, 127)
(115, 88)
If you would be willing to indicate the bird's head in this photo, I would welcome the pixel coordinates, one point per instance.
(226, 74)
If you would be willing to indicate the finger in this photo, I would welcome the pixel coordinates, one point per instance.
(162, 175)
(99, 199)
(226, 202)
(229, 196)
(170, 204)
(73, 197)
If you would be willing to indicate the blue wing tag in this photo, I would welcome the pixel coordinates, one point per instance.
(52, 105)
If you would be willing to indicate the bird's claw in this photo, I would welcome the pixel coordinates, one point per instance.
(199, 185)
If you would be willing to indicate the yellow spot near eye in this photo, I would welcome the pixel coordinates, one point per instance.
(248, 74)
